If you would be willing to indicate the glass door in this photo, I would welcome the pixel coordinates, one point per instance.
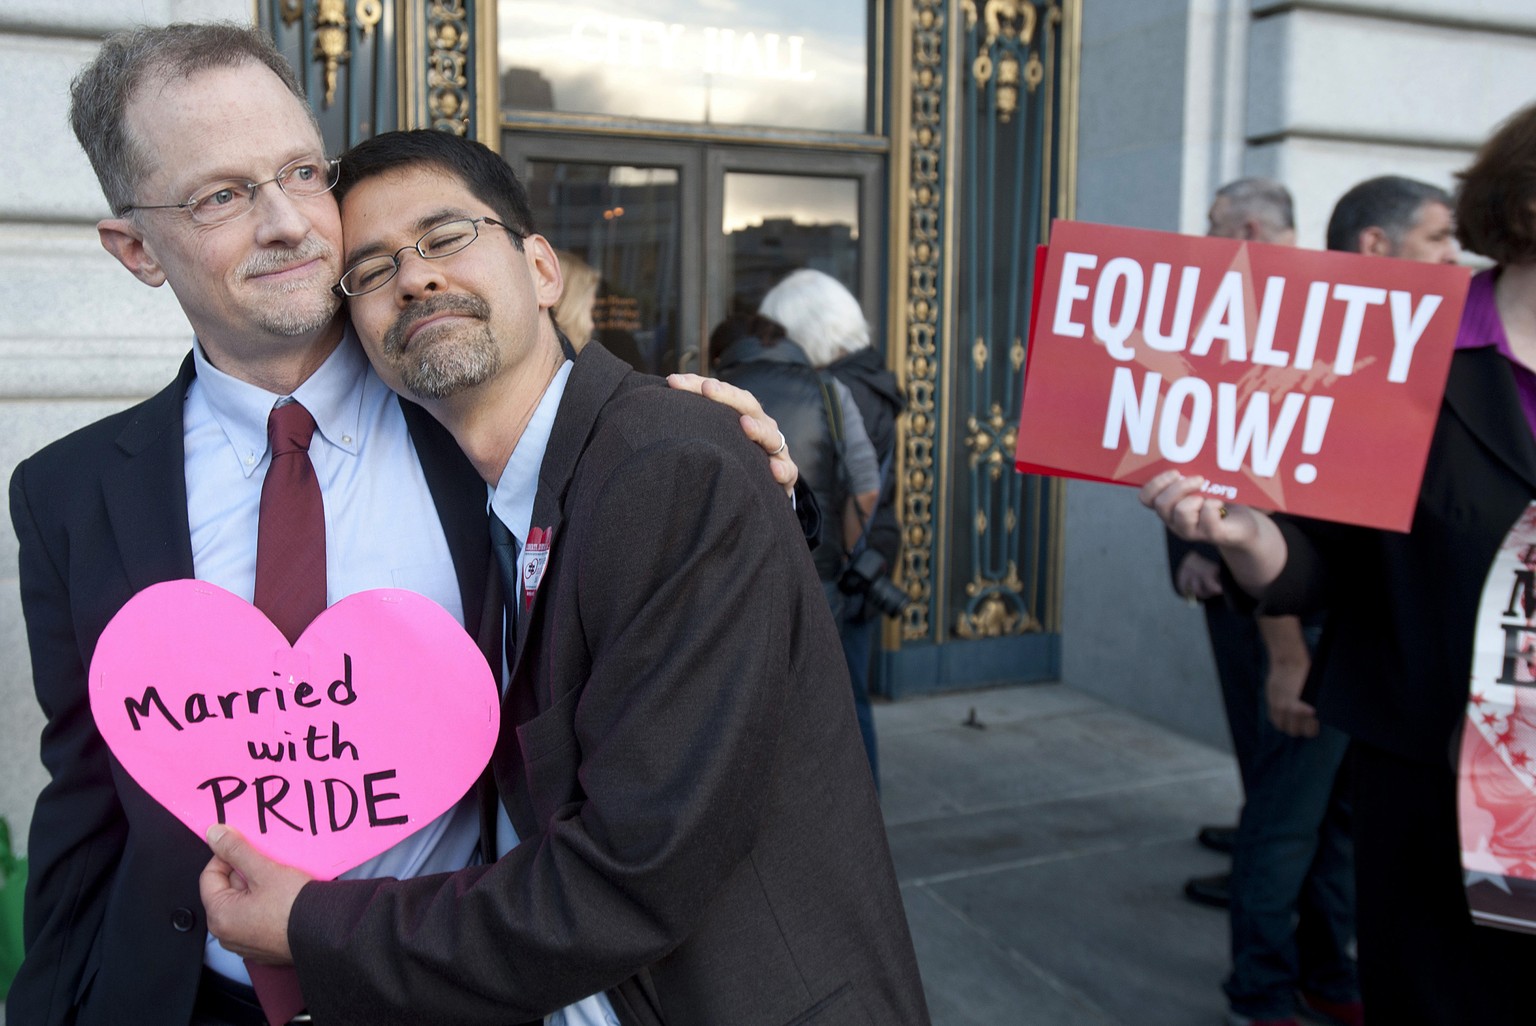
(775, 211)
(680, 234)
(629, 221)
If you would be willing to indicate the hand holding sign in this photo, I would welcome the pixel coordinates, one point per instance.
(241, 886)
(324, 753)
(1251, 545)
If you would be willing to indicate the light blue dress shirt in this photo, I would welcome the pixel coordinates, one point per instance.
(381, 531)
(512, 501)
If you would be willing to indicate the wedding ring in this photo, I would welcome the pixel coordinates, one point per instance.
(1222, 511)
(784, 442)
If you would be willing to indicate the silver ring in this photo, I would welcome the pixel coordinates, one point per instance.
(782, 443)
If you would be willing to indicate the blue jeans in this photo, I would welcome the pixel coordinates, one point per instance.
(1293, 887)
(858, 638)
(858, 646)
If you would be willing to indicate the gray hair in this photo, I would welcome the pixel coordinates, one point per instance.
(819, 313)
(1391, 203)
(1262, 199)
(102, 91)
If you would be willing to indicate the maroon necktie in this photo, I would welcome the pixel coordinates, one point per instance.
(290, 589)
(290, 534)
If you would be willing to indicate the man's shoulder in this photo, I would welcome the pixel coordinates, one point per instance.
(111, 437)
(647, 432)
(646, 412)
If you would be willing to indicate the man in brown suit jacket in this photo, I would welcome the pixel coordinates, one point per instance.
(678, 753)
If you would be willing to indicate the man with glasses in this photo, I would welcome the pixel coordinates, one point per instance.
(216, 175)
(688, 830)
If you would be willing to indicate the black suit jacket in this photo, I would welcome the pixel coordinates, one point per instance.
(1397, 648)
(678, 752)
(114, 927)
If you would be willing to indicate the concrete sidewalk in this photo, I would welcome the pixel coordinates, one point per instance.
(1042, 852)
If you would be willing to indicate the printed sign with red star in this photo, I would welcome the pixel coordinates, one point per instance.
(1290, 379)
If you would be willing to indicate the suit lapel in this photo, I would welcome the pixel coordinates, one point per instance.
(146, 495)
(1481, 393)
(459, 495)
(594, 377)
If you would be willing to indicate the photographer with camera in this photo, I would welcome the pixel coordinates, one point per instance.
(824, 429)
(827, 322)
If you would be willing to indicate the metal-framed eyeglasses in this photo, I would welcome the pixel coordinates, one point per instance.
(446, 239)
(229, 198)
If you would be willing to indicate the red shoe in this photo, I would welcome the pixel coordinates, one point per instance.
(1334, 1013)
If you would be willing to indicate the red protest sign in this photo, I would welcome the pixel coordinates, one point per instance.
(1290, 379)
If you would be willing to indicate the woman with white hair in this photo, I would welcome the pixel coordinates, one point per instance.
(828, 323)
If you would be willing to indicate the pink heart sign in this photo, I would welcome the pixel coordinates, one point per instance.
(324, 753)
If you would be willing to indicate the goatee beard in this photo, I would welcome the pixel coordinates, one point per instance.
(438, 370)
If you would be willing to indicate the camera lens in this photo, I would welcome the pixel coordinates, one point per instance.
(885, 596)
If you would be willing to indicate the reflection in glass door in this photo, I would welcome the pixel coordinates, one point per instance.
(624, 221)
(774, 224)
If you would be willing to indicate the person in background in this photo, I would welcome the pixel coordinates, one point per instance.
(819, 416)
(573, 312)
(829, 325)
(1392, 216)
(1291, 887)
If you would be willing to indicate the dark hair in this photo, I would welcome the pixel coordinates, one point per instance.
(101, 92)
(482, 170)
(745, 325)
(1494, 206)
(1391, 203)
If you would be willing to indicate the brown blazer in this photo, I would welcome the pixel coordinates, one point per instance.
(678, 751)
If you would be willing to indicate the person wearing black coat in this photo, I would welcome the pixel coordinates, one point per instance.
(827, 322)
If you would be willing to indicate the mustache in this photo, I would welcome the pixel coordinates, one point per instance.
(470, 306)
(266, 261)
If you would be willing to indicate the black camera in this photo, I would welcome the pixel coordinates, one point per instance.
(865, 575)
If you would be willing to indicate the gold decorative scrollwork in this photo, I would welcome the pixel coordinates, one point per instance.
(1010, 30)
(1007, 87)
(923, 361)
(448, 99)
(1034, 72)
(368, 14)
(996, 610)
(292, 12)
(991, 442)
(331, 42)
(1020, 18)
